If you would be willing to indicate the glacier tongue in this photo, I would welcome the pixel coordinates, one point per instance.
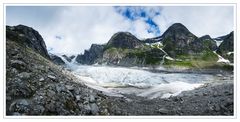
(118, 80)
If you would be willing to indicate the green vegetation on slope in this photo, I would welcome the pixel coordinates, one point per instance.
(200, 60)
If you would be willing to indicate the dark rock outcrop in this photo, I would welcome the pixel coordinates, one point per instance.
(133, 57)
(204, 43)
(226, 47)
(92, 55)
(68, 58)
(124, 40)
(56, 59)
(29, 37)
(177, 39)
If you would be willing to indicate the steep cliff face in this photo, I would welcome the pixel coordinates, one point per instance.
(56, 59)
(226, 47)
(177, 40)
(29, 37)
(204, 43)
(92, 55)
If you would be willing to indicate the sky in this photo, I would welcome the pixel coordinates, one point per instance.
(72, 29)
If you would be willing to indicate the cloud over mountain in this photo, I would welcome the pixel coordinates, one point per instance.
(73, 29)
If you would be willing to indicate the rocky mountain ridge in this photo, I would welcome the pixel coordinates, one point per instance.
(176, 46)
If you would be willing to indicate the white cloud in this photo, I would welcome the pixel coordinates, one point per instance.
(140, 29)
(212, 20)
(80, 27)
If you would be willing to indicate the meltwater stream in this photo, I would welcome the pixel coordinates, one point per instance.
(118, 81)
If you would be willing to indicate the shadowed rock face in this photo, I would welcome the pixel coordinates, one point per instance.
(177, 40)
(29, 37)
(226, 46)
(90, 56)
(68, 58)
(124, 40)
(204, 43)
(57, 60)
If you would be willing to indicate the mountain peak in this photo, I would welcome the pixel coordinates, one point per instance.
(177, 25)
(124, 40)
(176, 29)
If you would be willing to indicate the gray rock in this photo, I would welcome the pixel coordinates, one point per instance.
(23, 102)
(215, 94)
(205, 94)
(21, 106)
(94, 108)
(217, 107)
(60, 88)
(51, 107)
(69, 87)
(87, 108)
(8, 98)
(14, 70)
(20, 65)
(91, 99)
(16, 114)
(51, 77)
(163, 111)
(38, 110)
(78, 97)
(41, 79)
(51, 93)
(24, 75)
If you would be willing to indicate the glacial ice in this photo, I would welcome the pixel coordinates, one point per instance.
(138, 81)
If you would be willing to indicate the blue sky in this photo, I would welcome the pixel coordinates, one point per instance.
(71, 29)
